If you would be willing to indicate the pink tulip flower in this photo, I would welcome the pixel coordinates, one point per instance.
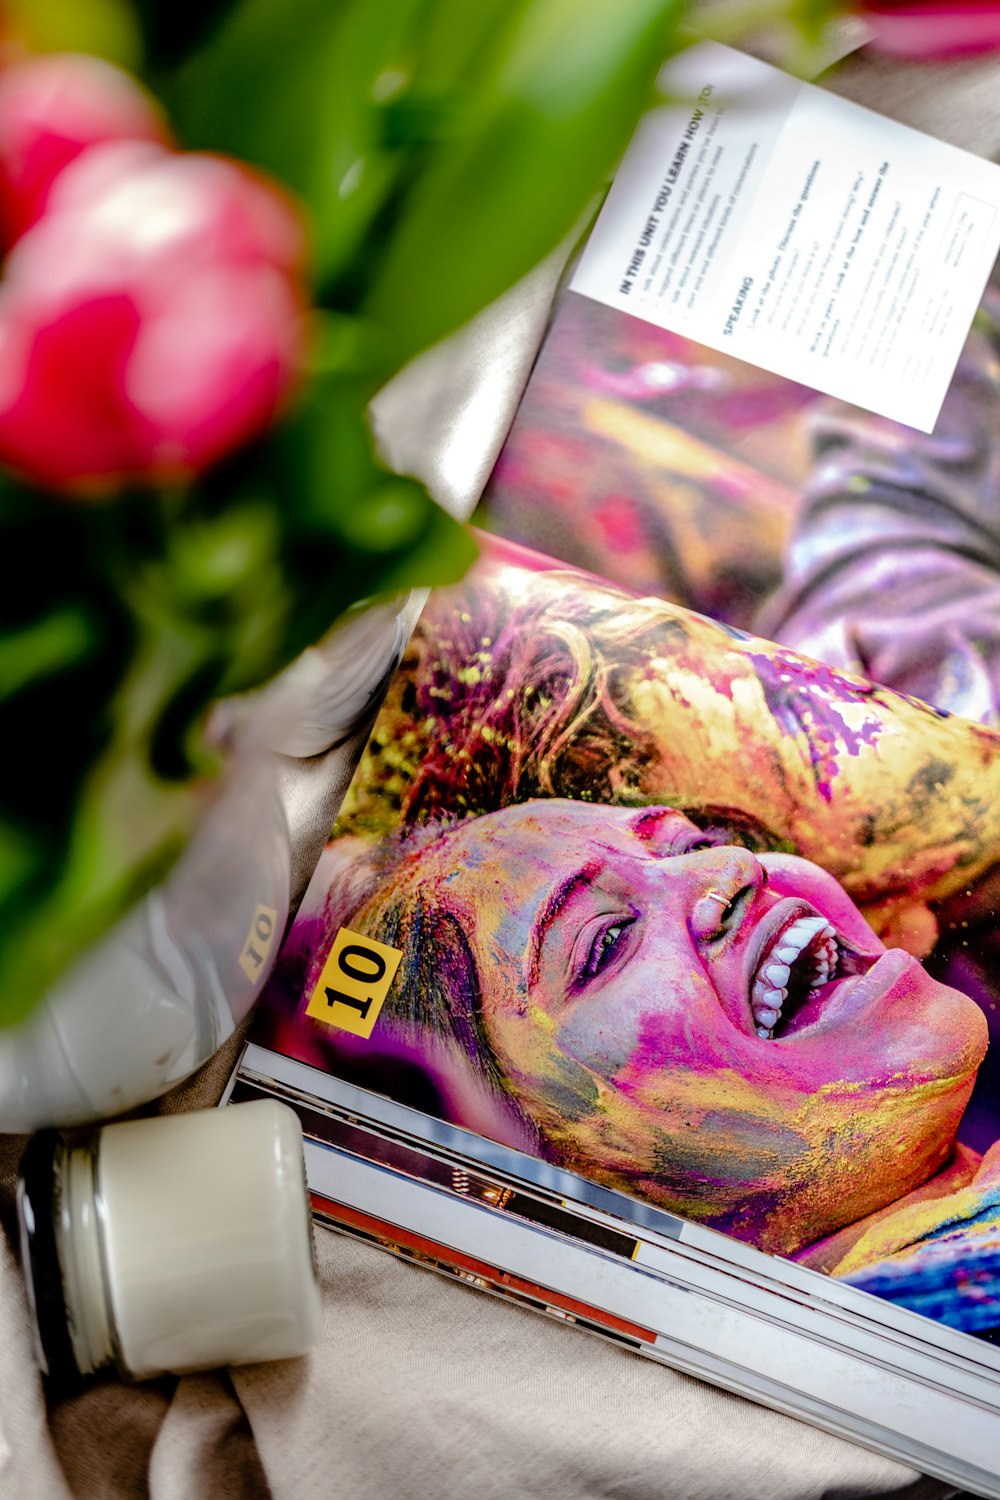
(52, 107)
(924, 29)
(150, 322)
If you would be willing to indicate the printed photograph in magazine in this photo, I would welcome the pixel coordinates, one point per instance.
(678, 910)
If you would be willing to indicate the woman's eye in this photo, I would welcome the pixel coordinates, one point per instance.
(603, 948)
(690, 840)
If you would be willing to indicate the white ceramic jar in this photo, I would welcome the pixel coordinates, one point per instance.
(177, 1243)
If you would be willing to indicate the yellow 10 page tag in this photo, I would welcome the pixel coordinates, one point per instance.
(355, 980)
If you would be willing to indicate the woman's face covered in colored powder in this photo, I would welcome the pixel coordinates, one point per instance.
(716, 1031)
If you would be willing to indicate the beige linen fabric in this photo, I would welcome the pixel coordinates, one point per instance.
(421, 1388)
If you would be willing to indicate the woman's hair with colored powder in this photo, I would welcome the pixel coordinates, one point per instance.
(376, 889)
(532, 702)
(533, 699)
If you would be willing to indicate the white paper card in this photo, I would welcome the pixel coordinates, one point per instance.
(775, 222)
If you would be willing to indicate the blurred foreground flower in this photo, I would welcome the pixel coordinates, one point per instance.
(933, 28)
(152, 342)
(151, 320)
(52, 108)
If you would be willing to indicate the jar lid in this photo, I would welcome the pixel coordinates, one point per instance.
(40, 1260)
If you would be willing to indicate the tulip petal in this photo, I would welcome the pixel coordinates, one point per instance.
(924, 31)
(67, 423)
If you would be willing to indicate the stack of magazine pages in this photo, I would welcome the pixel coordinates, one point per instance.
(651, 975)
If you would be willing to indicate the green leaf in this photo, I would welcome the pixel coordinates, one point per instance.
(539, 138)
(350, 174)
(126, 826)
(443, 555)
(49, 645)
(459, 43)
(324, 455)
(210, 558)
(391, 517)
(351, 530)
(41, 938)
(251, 89)
(318, 74)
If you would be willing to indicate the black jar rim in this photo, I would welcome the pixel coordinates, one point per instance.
(40, 1259)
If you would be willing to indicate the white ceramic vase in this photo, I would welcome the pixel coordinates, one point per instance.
(156, 997)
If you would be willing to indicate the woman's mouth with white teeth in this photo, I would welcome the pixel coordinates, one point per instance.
(801, 958)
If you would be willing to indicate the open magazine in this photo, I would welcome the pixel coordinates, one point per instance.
(619, 975)
(650, 974)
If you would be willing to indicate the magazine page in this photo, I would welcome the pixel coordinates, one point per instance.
(654, 901)
(701, 471)
(671, 469)
(641, 456)
(766, 217)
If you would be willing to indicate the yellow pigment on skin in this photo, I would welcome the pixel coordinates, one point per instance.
(828, 1184)
(723, 747)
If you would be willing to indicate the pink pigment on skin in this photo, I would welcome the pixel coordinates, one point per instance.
(816, 717)
(666, 1021)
